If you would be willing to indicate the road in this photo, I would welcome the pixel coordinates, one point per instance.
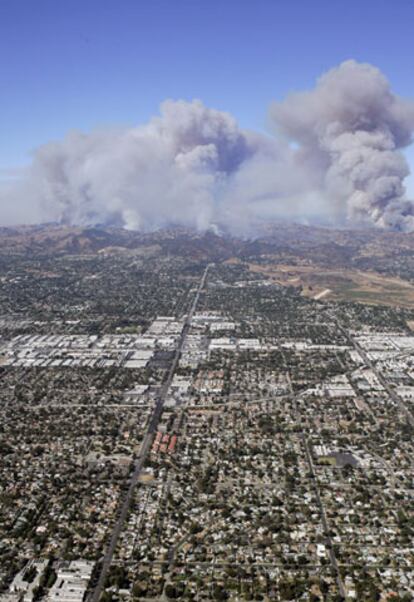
(322, 294)
(328, 539)
(145, 447)
(368, 362)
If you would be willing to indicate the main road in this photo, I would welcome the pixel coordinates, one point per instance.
(145, 446)
(368, 362)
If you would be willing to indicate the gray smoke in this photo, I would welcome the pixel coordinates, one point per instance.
(166, 172)
(336, 155)
(351, 128)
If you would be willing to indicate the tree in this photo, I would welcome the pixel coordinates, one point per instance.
(171, 592)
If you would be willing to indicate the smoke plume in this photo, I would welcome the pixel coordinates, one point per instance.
(351, 128)
(335, 154)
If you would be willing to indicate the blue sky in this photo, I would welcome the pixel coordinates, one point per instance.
(80, 64)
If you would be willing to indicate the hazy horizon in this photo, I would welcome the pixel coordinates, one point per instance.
(156, 113)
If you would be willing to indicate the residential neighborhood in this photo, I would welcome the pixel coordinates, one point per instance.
(248, 444)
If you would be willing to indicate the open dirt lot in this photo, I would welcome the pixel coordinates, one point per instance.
(341, 284)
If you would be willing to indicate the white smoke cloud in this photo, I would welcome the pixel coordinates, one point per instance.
(353, 127)
(170, 171)
(194, 166)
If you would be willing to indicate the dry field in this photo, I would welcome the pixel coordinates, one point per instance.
(341, 284)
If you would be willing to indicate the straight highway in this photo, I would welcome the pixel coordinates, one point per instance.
(145, 446)
(368, 362)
